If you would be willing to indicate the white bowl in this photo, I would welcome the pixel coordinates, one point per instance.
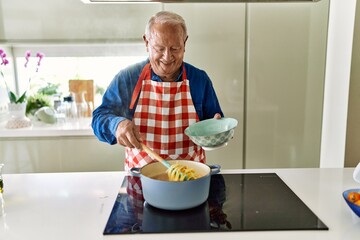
(211, 133)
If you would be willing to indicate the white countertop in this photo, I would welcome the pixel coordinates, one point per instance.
(77, 206)
(70, 127)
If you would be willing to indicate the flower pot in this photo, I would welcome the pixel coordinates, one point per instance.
(18, 119)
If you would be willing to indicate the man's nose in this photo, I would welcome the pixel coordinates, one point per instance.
(168, 54)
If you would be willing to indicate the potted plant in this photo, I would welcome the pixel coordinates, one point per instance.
(17, 104)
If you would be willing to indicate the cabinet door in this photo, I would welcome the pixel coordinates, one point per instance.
(285, 79)
(216, 44)
(59, 154)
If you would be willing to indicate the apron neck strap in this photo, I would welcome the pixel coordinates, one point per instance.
(146, 74)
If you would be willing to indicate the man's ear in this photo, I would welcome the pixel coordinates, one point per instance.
(146, 42)
(185, 42)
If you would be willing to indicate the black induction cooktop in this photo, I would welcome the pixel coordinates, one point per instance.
(237, 202)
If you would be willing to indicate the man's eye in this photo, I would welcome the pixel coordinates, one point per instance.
(159, 49)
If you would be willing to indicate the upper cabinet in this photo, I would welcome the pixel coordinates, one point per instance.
(72, 20)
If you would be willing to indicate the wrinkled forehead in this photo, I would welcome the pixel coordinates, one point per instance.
(166, 32)
(167, 28)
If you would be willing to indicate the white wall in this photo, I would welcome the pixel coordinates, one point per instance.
(338, 63)
(8, 77)
(352, 150)
(3, 103)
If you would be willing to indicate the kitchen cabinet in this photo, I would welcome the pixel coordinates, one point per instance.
(267, 62)
(59, 154)
(285, 84)
(71, 153)
(78, 22)
(64, 147)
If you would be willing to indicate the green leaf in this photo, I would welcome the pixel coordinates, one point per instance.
(12, 97)
(35, 102)
(22, 98)
(50, 89)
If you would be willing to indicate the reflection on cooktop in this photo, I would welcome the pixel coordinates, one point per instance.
(237, 202)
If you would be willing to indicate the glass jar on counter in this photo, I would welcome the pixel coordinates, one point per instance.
(81, 104)
(68, 108)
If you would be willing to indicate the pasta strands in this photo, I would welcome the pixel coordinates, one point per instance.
(179, 172)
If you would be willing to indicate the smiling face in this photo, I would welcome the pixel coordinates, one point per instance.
(166, 48)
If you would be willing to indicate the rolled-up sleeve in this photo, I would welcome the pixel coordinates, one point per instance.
(115, 104)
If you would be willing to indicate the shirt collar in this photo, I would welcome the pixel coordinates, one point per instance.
(158, 79)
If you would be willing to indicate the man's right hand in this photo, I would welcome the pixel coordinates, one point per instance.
(127, 135)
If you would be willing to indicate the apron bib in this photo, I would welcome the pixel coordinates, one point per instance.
(163, 112)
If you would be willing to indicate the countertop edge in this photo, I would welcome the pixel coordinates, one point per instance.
(79, 127)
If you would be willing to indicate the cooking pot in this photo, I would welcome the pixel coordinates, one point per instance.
(175, 195)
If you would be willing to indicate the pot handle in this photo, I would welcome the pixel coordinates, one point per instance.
(135, 171)
(214, 169)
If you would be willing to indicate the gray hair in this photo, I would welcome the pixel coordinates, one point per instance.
(168, 18)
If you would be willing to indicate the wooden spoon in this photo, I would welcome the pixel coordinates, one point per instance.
(165, 163)
(155, 155)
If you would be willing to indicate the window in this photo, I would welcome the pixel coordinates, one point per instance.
(59, 70)
(63, 63)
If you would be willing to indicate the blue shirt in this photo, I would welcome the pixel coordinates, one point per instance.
(116, 100)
